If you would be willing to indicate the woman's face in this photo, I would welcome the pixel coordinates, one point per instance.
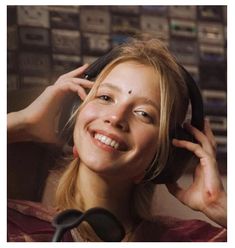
(116, 132)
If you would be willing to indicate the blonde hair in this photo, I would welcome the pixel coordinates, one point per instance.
(173, 108)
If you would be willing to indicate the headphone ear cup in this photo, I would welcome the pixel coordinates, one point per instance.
(182, 134)
(178, 158)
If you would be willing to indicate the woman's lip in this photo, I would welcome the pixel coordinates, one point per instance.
(122, 145)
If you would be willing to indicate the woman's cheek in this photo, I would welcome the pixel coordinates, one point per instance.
(88, 113)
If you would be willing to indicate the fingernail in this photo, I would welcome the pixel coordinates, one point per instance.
(207, 121)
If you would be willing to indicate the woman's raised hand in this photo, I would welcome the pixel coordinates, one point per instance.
(39, 121)
(206, 193)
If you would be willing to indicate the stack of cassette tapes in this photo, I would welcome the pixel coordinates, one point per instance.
(213, 79)
(183, 37)
(44, 42)
(65, 39)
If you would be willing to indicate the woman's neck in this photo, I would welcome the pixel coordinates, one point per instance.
(94, 190)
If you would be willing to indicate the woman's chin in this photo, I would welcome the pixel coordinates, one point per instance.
(99, 166)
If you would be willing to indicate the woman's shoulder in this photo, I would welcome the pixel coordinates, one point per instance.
(171, 229)
(29, 221)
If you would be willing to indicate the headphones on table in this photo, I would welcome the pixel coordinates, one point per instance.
(178, 158)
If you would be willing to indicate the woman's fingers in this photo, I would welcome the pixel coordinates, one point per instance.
(83, 82)
(77, 72)
(72, 87)
(195, 148)
(207, 162)
(201, 138)
(76, 85)
(71, 82)
(210, 135)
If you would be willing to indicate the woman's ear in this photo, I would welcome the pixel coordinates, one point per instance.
(75, 152)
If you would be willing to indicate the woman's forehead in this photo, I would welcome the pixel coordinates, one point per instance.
(132, 74)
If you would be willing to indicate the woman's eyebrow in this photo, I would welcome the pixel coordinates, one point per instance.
(149, 102)
(111, 86)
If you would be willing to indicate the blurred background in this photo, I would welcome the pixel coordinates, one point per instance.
(44, 42)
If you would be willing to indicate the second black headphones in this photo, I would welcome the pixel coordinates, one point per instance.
(178, 158)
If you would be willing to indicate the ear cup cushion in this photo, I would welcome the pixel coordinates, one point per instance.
(177, 162)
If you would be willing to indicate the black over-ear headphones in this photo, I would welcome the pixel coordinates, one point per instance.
(178, 158)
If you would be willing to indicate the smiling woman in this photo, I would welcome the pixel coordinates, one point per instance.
(121, 136)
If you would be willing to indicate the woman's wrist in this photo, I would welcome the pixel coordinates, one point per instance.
(17, 127)
(217, 211)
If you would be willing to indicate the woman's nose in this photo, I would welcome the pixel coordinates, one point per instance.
(118, 118)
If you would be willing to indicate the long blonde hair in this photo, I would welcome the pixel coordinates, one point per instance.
(173, 108)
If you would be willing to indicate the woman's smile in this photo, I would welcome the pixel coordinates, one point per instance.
(108, 141)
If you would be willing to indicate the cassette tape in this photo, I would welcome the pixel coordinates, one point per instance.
(34, 37)
(185, 50)
(64, 63)
(212, 54)
(65, 41)
(182, 28)
(64, 8)
(185, 12)
(215, 102)
(12, 63)
(12, 38)
(11, 15)
(37, 16)
(34, 63)
(213, 76)
(218, 123)
(95, 20)
(95, 44)
(125, 24)
(64, 18)
(33, 81)
(158, 26)
(126, 9)
(117, 39)
(193, 71)
(155, 10)
(212, 33)
(210, 13)
(12, 82)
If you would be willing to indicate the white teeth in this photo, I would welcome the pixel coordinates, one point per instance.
(106, 140)
(112, 143)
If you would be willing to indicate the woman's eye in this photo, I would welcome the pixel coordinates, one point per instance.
(105, 98)
(144, 115)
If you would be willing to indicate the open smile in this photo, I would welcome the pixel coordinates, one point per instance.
(108, 142)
